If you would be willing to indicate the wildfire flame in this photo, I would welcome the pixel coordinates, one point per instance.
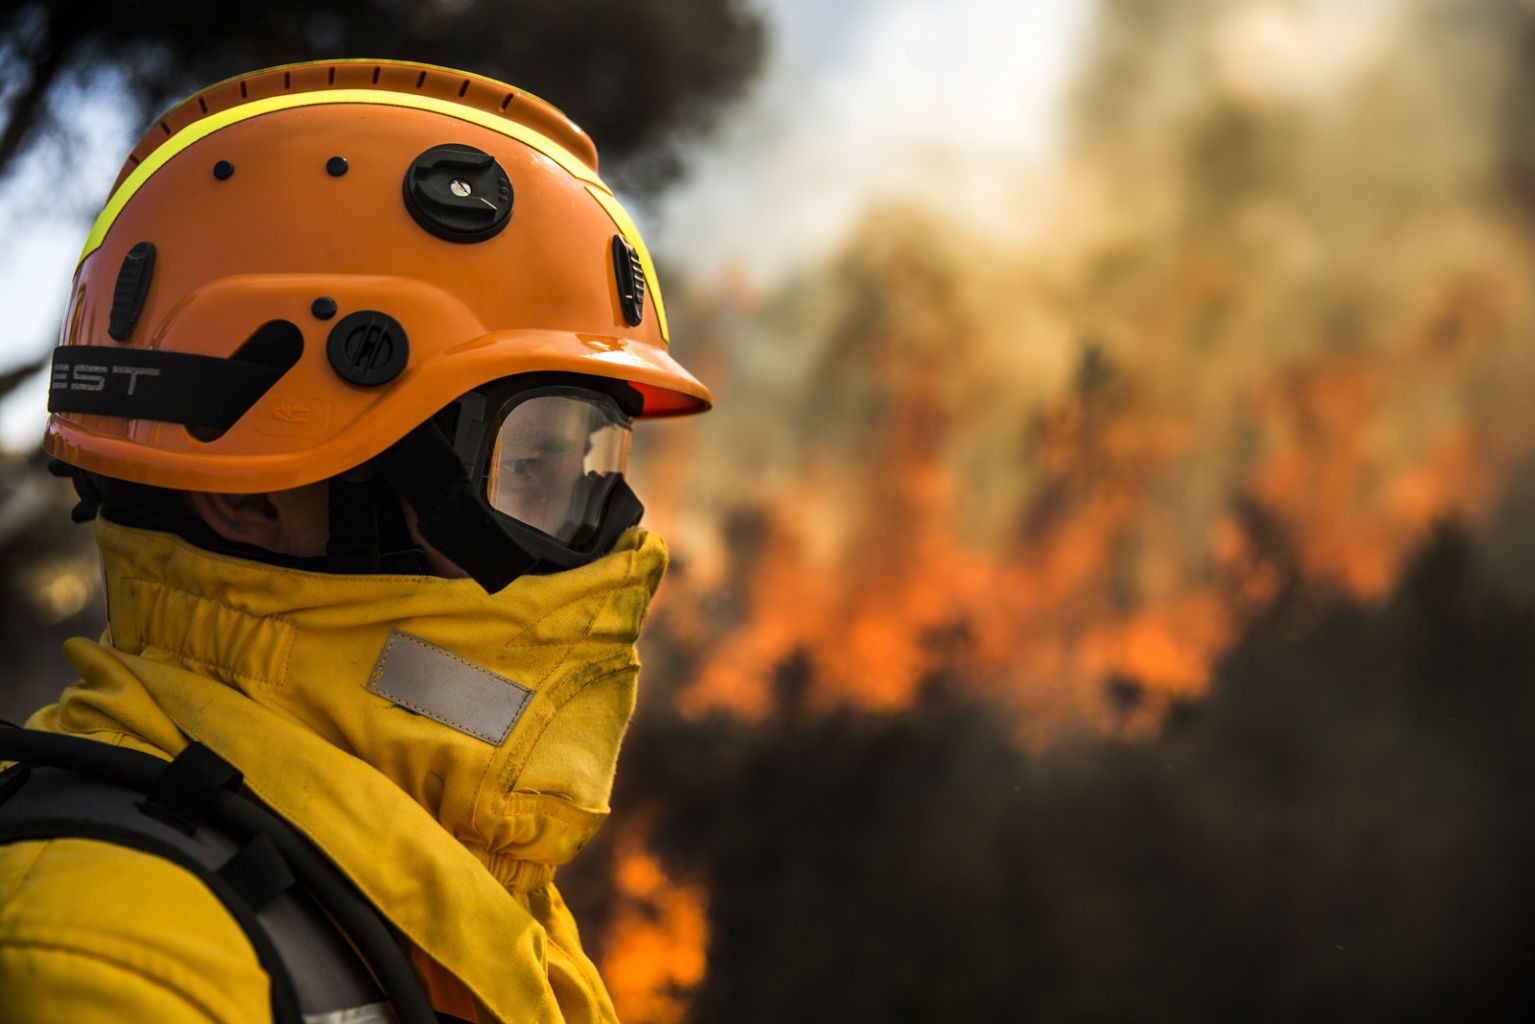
(656, 944)
(1247, 348)
(1268, 319)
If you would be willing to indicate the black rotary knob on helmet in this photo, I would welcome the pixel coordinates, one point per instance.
(368, 348)
(458, 193)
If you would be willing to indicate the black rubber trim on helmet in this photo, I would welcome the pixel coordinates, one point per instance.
(146, 384)
(358, 919)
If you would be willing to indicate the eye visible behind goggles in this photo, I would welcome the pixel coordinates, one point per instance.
(555, 459)
(523, 475)
(549, 452)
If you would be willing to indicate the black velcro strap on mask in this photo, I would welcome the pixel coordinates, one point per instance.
(423, 467)
(169, 387)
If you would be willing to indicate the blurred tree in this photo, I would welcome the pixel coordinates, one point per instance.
(641, 78)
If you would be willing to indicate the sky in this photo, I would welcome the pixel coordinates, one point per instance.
(859, 100)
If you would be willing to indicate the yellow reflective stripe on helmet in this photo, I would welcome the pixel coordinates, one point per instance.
(627, 228)
(206, 126)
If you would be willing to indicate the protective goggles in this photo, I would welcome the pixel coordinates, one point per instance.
(551, 457)
(546, 454)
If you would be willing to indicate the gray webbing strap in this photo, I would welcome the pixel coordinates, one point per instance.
(330, 981)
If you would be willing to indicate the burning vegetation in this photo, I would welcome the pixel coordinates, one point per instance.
(1254, 324)
(1123, 616)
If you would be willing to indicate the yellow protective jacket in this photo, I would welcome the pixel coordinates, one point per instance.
(364, 710)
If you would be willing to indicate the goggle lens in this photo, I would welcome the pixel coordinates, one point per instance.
(556, 459)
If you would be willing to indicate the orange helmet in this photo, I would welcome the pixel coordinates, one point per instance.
(298, 266)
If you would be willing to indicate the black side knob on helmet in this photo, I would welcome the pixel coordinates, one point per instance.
(458, 193)
(368, 348)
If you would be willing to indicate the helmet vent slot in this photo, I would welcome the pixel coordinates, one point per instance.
(131, 290)
(276, 344)
(630, 275)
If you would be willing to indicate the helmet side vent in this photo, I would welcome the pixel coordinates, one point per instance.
(277, 345)
(131, 290)
(630, 277)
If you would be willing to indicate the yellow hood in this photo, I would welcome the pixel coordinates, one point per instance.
(310, 683)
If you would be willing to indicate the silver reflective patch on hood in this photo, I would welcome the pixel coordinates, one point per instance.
(373, 1013)
(430, 681)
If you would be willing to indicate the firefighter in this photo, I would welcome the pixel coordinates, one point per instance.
(346, 381)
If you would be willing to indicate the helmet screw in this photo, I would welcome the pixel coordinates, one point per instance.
(223, 169)
(323, 308)
(336, 166)
(460, 187)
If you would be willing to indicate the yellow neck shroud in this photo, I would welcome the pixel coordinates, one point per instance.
(455, 836)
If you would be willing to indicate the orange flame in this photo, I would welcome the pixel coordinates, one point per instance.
(1290, 358)
(656, 946)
